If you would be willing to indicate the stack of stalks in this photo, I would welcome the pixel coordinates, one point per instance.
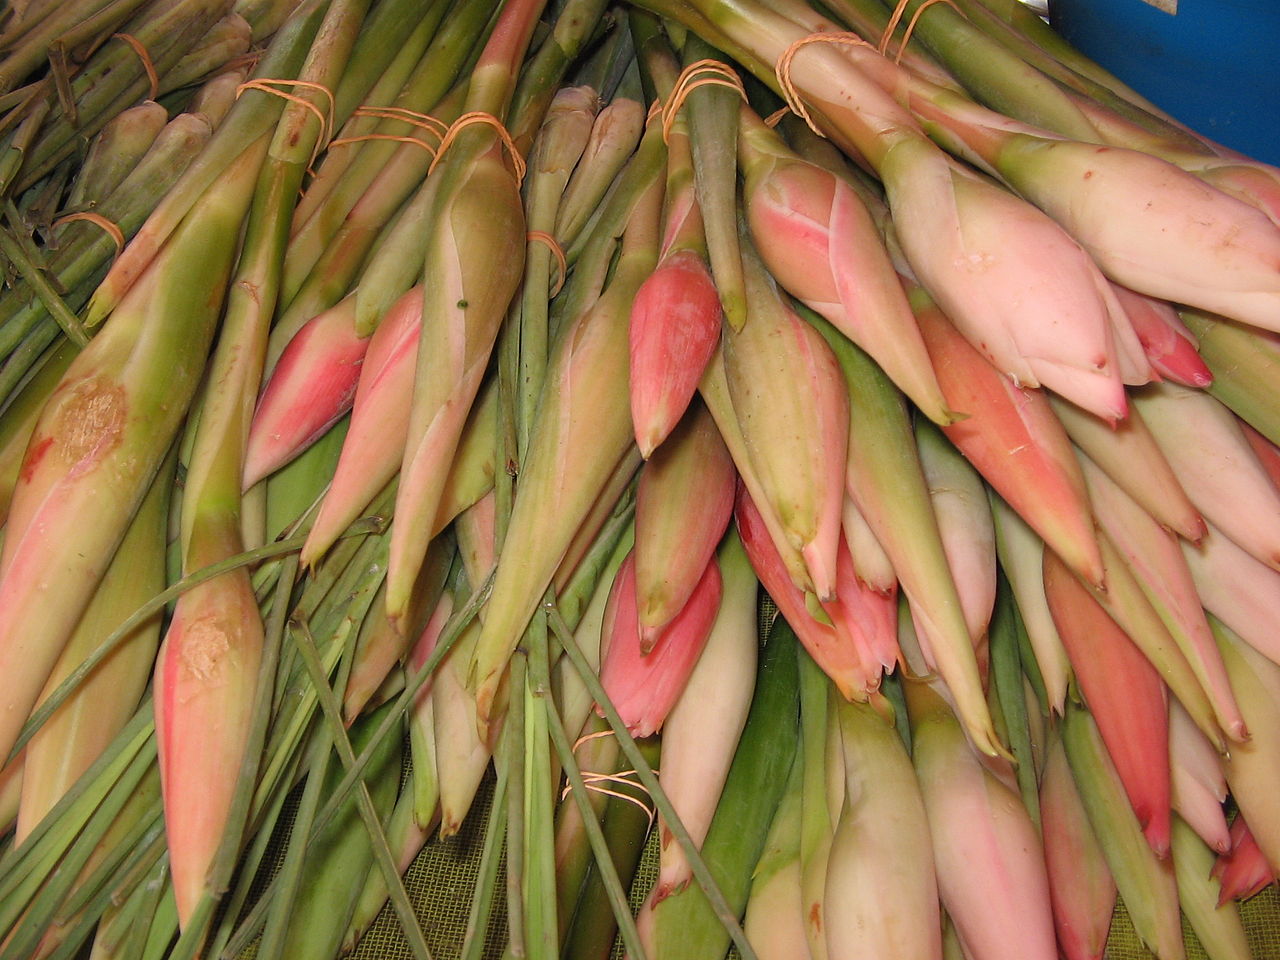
(396, 393)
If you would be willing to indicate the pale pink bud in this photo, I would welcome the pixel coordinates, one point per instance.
(1199, 785)
(374, 445)
(205, 683)
(1154, 227)
(819, 241)
(1020, 289)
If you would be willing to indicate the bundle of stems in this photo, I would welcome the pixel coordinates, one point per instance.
(463, 372)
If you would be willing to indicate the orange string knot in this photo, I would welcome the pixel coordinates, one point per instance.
(700, 73)
(557, 251)
(147, 64)
(470, 119)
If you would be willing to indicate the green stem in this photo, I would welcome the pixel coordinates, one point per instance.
(35, 277)
(473, 941)
(382, 854)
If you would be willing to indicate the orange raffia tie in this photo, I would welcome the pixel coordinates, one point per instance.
(107, 227)
(344, 141)
(593, 781)
(782, 70)
(264, 84)
(775, 118)
(246, 61)
(470, 119)
(586, 737)
(700, 73)
(655, 110)
(898, 11)
(547, 240)
(423, 121)
(136, 45)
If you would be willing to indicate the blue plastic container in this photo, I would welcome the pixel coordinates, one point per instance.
(1214, 64)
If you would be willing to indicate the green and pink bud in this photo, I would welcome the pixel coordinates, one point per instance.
(643, 687)
(819, 241)
(792, 403)
(1144, 882)
(884, 477)
(462, 754)
(581, 433)
(477, 532)
(1013, 439)
(967, 530)
(881, 893)
(1237, 589)
(714, 390)
(683, 504)
(1132, 458)
(474, 256)
(1253, 767)
(1021, 555)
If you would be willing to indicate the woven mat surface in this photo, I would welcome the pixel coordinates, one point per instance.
(440, 884)
(441, 879)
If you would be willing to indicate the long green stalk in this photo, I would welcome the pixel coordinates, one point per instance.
(989, 71)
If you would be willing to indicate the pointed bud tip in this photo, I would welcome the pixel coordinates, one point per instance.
(648, 441)
(1156, 830)
(821, 569)
(650, 634)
